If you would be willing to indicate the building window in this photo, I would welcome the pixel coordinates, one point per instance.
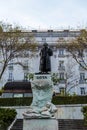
(43, 39)
(10, 76)
(82, 76)
(18, 95)
(81, 68)
(25, 67)
(82, 65)
(54, 56)
(82, 90)
(61, 65)
(26, 62)
(61, 76)
(61, 52)
(61, 90)
(80, 53)
(10, 67)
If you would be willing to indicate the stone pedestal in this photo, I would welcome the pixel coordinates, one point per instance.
(41, 107)
(41, 113)
(40, 124)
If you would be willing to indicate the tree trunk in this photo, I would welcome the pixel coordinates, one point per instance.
(3, 70)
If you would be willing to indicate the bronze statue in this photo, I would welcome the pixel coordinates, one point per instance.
(45, 64)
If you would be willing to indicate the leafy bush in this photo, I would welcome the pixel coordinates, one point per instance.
(31, 76)
(84, 110)
(1, 91)
(55, 78)
(7, 115)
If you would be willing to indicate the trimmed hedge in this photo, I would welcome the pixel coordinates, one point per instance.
(15, 101)
(57, 100)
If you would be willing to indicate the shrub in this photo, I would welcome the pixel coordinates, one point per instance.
(1, 91)
(55, 78)
(84, 110)
(7, 116)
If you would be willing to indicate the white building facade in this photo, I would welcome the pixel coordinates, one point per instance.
(71, 76)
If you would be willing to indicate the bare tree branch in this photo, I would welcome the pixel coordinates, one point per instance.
(13, 44)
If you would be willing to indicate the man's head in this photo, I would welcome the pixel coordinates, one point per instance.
(45, 45)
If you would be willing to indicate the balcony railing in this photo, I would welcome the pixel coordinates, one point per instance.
(10, 80)
(25, 67)
(81, 68)
(61, 55)
(62, 81)
(10, 67)
(82, 81)
(61, 67)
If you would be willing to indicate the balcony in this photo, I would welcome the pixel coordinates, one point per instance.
(61, 55)
(10, 67)
(62, 81)
(10, 80)
(82, 81)
(61, 68)
(25, 67)
(81, 68)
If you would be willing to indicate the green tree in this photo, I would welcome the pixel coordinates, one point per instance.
(55, 78)
(31, 76)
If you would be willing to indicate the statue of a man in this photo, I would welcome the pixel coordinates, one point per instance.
(45, 63)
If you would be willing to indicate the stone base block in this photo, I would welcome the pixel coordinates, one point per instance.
(40, 124)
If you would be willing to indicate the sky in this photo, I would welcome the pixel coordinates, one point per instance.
(45, 14)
